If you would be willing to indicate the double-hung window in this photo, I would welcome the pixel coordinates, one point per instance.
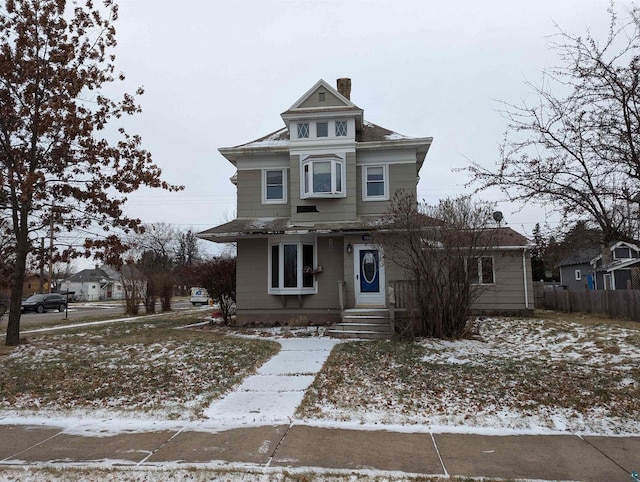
(481, 270)
(274, 186)
(375, 183)
(291, 267)
(323, 177)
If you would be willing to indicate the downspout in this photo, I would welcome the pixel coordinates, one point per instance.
(524, 271)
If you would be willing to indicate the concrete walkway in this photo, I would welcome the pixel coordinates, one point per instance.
(274, 393)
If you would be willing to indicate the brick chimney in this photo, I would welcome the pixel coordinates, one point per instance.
(344, 87)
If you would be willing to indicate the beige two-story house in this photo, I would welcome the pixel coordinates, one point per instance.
(309, 198)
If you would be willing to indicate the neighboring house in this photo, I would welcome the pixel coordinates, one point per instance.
(309, 198)
(32, 284)
(576, 271)
(617, 267)
(98, 284)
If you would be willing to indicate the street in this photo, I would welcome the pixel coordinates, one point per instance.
(86, 309)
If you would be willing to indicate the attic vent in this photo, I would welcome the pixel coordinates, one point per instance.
(320, 96)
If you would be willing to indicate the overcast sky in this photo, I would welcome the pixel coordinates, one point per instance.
(219, 73)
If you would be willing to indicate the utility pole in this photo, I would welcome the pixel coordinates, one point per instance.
(41, 267)
(51, 250)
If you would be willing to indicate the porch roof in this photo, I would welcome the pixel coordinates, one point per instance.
(260, 227)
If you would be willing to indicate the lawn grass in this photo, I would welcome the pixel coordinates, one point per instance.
(145, 365)
(524, 373)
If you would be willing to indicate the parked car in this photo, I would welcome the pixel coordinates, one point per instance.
(41, 303)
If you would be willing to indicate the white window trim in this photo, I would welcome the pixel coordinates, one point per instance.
(284, 187)
(578, 275)
(299, 290)
(385, 176)
(346, 128)
(493, 272)
(333, 194)
(328, 129)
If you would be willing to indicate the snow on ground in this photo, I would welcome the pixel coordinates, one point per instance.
(521, 376)
(274, 392)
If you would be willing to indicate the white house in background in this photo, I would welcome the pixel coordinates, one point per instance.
(97, 284)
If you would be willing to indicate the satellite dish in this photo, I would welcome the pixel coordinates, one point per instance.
(497, 216)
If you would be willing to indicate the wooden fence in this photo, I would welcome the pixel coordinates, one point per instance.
(621, 304)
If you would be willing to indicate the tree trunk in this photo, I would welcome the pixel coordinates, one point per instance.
(15, 304)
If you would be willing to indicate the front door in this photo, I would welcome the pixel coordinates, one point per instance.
(368, 276)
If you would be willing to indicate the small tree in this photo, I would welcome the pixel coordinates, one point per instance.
(439, 248)
(134, 286)
(218, 277)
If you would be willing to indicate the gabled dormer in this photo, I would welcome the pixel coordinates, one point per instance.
(324, 115)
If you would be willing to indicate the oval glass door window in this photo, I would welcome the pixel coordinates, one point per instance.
(369, 271)
(369, 267)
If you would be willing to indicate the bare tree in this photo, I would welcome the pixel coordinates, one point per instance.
(576, 145)
(218, 277)
(440, 250)
(60, 168)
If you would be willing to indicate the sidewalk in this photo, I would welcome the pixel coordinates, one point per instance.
(552, 457)
(252, 427)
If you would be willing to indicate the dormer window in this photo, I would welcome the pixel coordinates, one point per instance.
(322, 177)
(303, 131)
(622, 252)
(341, 128)
(322, 129)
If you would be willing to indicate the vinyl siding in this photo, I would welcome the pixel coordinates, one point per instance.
(568, 276)
(250, 197)
(330, 100)
(508, 291)
(401, 176)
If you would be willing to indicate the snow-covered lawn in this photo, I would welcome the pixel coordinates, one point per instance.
(128, 368)
(522, 374)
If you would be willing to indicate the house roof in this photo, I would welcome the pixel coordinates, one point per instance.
(89, 275)
(370, 132)
(582, 256)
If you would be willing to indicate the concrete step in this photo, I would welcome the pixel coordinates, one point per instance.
(377, 327)
(366, 319)
(367, 335)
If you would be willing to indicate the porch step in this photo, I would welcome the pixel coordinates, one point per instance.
(363, 323)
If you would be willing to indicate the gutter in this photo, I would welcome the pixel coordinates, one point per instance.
(524, 274)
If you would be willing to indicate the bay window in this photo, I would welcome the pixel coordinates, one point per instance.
(323, 178)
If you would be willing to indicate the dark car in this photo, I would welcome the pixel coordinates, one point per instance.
(41, 303)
